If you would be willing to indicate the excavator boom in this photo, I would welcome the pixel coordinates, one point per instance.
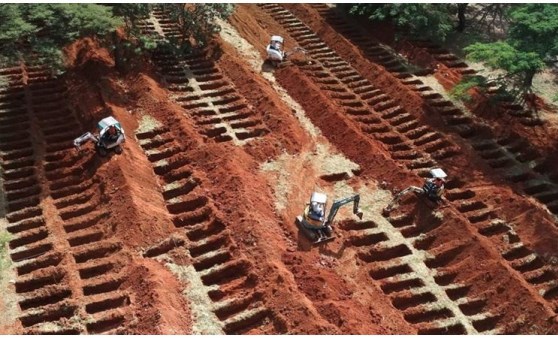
(84, 138)
(339, 203)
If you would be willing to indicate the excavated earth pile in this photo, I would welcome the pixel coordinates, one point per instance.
(191, 229)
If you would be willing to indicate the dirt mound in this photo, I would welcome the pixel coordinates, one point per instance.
(158, 301)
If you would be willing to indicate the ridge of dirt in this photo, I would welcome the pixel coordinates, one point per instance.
(254, 58)
(159, 300)
(192, 230)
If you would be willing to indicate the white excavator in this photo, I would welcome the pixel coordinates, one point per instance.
(111, 136)
(275, 54)
(313, 222)
(433, 189)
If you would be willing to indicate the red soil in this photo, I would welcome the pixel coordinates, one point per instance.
(339, 288)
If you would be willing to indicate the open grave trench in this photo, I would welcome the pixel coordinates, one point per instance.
(199, 86)
(456, 270)
(31, 248)
(57, 295)
(396, 258)
(226, 277)
(376, 113)
(458, 65)
(510, 156)
(395, 132)
(385, 56)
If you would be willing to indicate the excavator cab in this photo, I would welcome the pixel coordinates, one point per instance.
(111, 136)
(313, 222)
(276, 54)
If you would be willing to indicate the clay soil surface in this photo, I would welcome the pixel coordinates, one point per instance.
(191, 230)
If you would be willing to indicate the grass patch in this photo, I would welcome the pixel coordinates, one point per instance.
(148, 123)
(461, 90)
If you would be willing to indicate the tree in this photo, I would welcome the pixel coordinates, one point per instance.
(14, 30)
(131, 13)
(197, 21)
(131, 46)
(38, 32)
(491, 20)
(532, 42)
(517, 63)
(534, 27)
(432, 21)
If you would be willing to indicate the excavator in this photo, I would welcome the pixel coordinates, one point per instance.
(111, 136)
(313, 222)
(275, 54)
(433, 189)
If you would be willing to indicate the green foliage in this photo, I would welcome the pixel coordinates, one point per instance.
(503, 55)
(197, 21)
(131, 12)
(460, 91)
(531, 43)
(13, 27)
(133, 46)
(534, 28)
(433, 21)
(67, 22)
(40, 31)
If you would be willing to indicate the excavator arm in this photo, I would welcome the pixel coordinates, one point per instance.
(84, 138)
(295, 50)
(402, 193)
(339, 203)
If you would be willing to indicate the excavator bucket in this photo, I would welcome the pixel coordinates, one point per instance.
(323, 239)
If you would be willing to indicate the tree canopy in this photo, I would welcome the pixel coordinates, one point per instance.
(531, 43)
(197, 21)
(433, 21)
(40, 31)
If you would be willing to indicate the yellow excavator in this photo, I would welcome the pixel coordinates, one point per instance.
(313, 222)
